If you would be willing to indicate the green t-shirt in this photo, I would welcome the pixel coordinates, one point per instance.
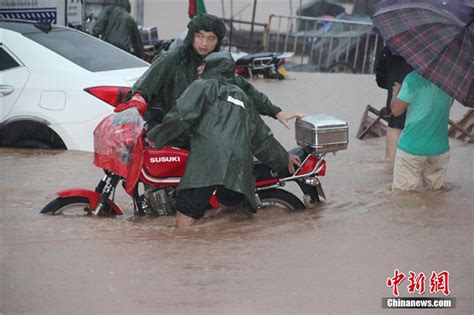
(426, 125)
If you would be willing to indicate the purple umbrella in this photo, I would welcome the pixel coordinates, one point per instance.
(435, 38)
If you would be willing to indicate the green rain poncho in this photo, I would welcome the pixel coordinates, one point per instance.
(172, 72)
(226, 131)
(117, 27)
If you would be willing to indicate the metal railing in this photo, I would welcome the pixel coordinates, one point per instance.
(323, 45)
(241, 38)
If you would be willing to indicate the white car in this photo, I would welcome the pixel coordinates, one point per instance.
(57, 84)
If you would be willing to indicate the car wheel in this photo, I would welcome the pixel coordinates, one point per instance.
(30, 134)
(32, 144)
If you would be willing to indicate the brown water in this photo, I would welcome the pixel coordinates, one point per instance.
(332, 259)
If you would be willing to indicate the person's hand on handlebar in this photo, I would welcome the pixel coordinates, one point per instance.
(136, 101)
(283, 117)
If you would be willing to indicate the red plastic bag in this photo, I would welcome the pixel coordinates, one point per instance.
(114, 139)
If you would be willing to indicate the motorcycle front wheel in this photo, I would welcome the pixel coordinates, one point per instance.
(279, 198)
(69, 206)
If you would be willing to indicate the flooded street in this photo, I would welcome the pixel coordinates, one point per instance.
(335, 258)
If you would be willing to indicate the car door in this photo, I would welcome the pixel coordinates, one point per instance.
(13, 77)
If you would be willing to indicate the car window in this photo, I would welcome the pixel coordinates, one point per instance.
(6, 61)
(89, 53)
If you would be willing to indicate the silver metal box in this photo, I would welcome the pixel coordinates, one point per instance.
(149, 35)
(322, 132)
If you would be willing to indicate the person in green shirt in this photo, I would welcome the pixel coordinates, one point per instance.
(422, 154)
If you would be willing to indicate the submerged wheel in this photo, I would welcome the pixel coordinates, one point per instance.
(280, 199)
(32, 144)
(69, 206)
(341, 67)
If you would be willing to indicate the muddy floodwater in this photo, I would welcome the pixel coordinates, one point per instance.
(335, 258)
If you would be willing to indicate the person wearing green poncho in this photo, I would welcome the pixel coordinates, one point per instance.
(226, 132)
(172, 72)
(116, 26)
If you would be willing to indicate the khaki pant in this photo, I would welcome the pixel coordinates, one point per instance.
(413, 172)
(393, 134)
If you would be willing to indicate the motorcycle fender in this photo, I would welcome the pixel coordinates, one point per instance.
(91, 195)
(313, 191)
(320, 191)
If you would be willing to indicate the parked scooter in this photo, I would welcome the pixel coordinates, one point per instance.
(269, 65)
(121, 152)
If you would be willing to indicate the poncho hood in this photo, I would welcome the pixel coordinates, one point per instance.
(125, 4)
(219, 64)
(208, 23)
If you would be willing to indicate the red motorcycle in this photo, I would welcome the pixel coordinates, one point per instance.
(121, 152)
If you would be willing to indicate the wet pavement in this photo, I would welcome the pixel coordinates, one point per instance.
(335, 258)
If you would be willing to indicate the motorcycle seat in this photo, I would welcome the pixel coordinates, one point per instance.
(262, 172)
